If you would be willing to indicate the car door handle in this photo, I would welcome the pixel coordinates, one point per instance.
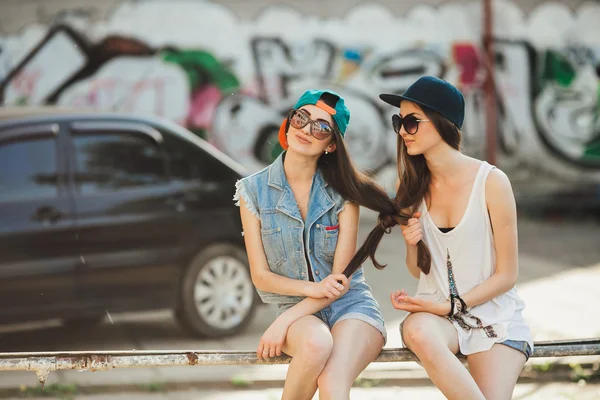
(47, 214)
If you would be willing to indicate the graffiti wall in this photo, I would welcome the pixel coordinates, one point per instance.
(231, 81)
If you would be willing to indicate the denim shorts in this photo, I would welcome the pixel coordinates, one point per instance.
(358, 303)
(519, 345)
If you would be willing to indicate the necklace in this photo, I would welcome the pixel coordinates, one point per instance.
(302, 198)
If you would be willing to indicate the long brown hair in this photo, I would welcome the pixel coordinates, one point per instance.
(339, 172)
(414, 174)
(415, 177)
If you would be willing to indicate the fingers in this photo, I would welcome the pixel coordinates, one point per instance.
(412, 232)
(333, 293)
(259, 351)
(272, 351)
(413, 237)
(339, 277)
(402, 301)
(393, 299)
(333, 288)
(278, 349)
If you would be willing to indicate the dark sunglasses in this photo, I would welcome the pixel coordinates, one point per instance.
(410, 123)
(319, 129)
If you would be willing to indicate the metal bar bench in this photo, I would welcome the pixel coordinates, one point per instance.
(42, 363)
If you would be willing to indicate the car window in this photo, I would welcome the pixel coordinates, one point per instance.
(109, 162)
(188, 162)
(28, 168)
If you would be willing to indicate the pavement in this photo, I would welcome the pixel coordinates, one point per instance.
(559, 281)
(528, 391)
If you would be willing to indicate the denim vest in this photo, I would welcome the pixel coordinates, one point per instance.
(288, 241)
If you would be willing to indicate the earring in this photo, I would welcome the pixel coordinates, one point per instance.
(326, 152)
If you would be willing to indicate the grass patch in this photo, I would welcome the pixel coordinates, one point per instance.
(240, 382)
(367, 383)
(56, 390)
(152, 387)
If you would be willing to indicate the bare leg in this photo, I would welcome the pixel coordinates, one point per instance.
(355, 345)
(496, 371)
(435, 341)
(309, 343)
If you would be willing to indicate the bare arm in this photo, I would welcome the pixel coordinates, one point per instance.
(411, 250)
(344, 251)
(411, 260)
(503, 214)
(262, 277)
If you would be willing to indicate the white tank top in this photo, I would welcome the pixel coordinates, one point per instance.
(468, 251)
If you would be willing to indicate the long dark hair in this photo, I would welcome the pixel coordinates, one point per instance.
(415, 177)
(339, 172)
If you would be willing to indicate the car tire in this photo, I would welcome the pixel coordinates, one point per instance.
(217, 297)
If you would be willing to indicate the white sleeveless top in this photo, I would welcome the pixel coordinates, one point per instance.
(468, 251)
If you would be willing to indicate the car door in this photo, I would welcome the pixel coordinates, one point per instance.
(123, 201)
(205, 187)
(38, 254)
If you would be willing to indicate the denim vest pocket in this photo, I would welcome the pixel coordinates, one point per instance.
(273, 245)
(326, 241)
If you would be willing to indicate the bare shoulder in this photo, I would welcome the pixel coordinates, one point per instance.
(350, 208)
(497, 182)
(498, 191)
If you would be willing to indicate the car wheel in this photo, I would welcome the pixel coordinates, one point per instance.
(217, 295)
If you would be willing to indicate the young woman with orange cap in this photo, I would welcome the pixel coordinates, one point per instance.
(300, 219)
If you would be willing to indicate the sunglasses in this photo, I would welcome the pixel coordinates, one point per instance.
(410, 123)
(319, 129)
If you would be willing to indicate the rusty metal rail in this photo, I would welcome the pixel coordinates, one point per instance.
(45, 362)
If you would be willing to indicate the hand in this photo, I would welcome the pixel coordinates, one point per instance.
(329, 287)
(272, 340)
(402, 301)
(412, 231)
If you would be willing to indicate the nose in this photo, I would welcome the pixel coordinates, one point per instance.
(306, 129)
(402, 132)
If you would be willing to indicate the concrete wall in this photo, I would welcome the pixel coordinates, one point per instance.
(229, 70)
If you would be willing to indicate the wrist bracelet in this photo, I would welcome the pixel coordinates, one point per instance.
(451, 313)
(458, 306)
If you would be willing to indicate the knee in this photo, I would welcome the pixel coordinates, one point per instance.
(418, 333)
(316, 347)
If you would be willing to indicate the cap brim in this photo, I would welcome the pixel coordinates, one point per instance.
(282, 135)
(392, 99)
(395, 99)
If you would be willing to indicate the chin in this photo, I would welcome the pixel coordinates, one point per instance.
(303, 149)
(413, 151)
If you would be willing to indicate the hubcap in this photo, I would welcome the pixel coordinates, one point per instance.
(223, 292)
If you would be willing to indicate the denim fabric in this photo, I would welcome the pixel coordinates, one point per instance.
(286, 236)
(358, 303)
(519, 345)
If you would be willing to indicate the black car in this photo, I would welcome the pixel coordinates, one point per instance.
(110, 213)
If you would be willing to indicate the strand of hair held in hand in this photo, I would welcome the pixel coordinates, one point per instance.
(386, 222)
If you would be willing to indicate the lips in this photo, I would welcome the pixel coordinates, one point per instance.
(408, 142)
(302, 140)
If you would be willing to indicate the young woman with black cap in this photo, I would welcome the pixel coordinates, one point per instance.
(464, 210)
(300, 220)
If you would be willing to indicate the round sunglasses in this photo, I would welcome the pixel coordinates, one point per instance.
(410, 123)
(319, 129)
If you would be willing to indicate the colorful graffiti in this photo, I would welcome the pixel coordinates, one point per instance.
(231, 81)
